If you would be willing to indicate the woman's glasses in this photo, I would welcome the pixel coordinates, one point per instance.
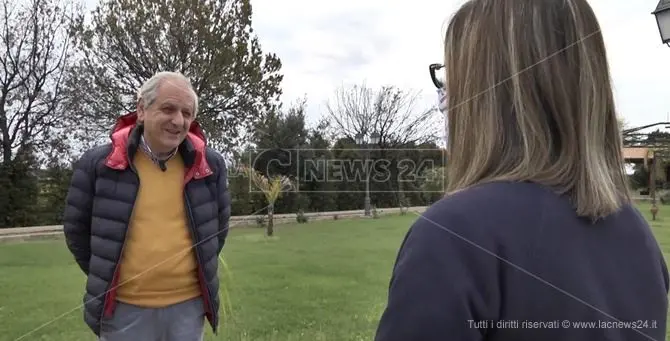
(437, 78)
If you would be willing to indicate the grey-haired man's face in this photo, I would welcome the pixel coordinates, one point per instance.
(168, 118)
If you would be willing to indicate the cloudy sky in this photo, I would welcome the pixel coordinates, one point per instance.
(326, 44)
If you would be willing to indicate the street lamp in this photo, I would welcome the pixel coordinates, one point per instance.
(662, 13)
(361, 140)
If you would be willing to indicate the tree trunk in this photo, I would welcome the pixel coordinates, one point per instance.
(270, 230)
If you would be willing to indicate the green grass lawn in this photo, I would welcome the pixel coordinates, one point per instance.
(323, 280)
(661, 226)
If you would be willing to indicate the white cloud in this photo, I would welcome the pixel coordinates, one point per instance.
(323, 44)
(326, 43)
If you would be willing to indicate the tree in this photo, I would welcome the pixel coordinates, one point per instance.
(35, 39)
(20, 189)
(388, 111)
(433, 184)
(402, 127)
(210, 41)
(272, 187)
(281, 141)
(36, 49)
(53, 187)
(623, 124)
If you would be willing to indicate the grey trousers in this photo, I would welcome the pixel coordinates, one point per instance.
(179, 322)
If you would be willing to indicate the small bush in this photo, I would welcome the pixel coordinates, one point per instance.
(336, 217)
(301, 217)
(664, 197)
(260, 221)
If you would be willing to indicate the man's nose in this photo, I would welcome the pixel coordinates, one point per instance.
(178, 120)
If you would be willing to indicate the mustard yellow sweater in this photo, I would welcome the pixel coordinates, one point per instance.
(158, 265)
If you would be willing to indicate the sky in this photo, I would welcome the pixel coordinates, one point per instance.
(326, 44)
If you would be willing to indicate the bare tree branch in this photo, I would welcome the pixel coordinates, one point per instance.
(36, 40)
(388, 111)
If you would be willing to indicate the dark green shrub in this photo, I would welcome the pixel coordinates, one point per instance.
(301, 217)
(260, 221)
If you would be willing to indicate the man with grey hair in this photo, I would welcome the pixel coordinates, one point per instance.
(146, 217)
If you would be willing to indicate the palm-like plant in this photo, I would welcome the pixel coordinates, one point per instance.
(272, 187)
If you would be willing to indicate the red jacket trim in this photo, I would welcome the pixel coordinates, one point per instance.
(118, 157)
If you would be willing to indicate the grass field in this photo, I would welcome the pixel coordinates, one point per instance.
(323, 280)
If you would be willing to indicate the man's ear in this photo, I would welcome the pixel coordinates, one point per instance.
(140, 110)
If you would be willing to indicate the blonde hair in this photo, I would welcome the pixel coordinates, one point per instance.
(531, 100)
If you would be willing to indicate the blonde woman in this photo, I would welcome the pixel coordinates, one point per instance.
(537, 238)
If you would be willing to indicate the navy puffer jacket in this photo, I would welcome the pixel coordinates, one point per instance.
(99, 205)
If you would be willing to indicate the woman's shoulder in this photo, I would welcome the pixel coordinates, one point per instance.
(515, 209)
(495, 198)
(500, 211)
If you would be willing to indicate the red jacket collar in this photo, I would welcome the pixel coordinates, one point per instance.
(118, 157)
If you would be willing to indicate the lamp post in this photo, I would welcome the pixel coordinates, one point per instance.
(362, 140)
(662, 13)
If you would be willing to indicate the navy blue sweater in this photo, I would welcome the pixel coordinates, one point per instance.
(512, 261)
